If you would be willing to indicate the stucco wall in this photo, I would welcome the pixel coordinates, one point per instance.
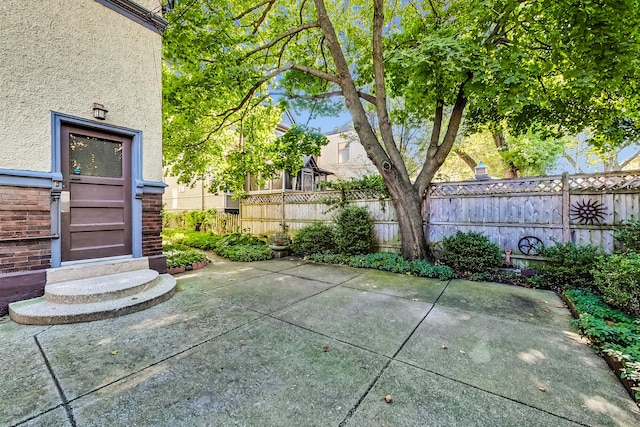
(64, 55)
(358, 164)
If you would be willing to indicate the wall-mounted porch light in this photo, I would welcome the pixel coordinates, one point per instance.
(99, 112)
(481, 171)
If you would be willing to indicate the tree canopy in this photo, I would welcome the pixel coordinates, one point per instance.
(559, 65)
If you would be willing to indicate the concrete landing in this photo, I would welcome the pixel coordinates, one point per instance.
(102, 288)
(41, 311)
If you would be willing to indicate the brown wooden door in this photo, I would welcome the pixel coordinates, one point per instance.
(96, 194)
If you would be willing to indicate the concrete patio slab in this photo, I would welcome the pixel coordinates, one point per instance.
(270, 293)
(26, 387)
(87, 356)
(252, 352)
(211, 278)
(10, 330)
(521, 361)
(279, 264)
(373, 321)
(336, 274)
(422, 399)
(512, 302)
(56, 417)
(266, 374)
(415, 288)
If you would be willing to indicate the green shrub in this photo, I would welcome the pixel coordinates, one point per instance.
(470, 252)
(242, 247)
(181, 256)
(201, 240)
(629, 236)
(195, 219)
(314, 238)
(387, 261)
(353, 230)
(246, 253)
(173, 220)
(569, 265)
(237, 239)
(618, 278)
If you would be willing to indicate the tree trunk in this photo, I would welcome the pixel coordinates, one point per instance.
(408, 209)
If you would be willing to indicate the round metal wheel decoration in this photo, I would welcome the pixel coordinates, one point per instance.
(588, 212)
(530, 245)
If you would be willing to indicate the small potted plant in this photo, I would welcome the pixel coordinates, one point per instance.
(279, 241)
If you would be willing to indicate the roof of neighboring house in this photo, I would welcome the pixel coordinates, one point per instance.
(310, 162)
(346, 127)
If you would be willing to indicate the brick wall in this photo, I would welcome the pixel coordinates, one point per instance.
(151, 224)
(24, 214)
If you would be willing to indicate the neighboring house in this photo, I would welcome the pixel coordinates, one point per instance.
(183, 197)
(78, 182)
(307, 179)
(344, 156)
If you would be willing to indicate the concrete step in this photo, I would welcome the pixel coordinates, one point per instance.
(39, 311)
(94, 268)
(103, 288)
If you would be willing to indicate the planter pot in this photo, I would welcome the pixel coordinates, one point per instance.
(279, 251)
(201, 264)
(175, 270)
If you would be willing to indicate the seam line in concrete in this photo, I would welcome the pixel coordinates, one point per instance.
(199, 344)
(327, 336)
(36, 416)
(65, 401)
(384, 368)
(206, 291)
(490, 392)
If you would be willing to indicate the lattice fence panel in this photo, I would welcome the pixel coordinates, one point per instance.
(256, 199)
(479, 188)
(605, 182)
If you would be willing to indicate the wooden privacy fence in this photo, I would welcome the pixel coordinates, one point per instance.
(517, 214)
(264, 214)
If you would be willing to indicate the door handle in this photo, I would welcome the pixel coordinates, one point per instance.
(75, 178)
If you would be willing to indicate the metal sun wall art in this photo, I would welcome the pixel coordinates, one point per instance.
(588, 212)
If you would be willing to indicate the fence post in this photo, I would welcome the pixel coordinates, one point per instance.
(283, 223)
(566, 206)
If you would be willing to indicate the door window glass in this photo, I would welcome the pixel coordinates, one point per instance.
(94, 156)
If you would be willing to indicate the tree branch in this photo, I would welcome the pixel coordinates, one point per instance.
(361, 124)
(366, 96)
(321, 74)
(465, 158)
(263, 17)
(386, 130)
(273, 42)
(432, 163)
(251, 9)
